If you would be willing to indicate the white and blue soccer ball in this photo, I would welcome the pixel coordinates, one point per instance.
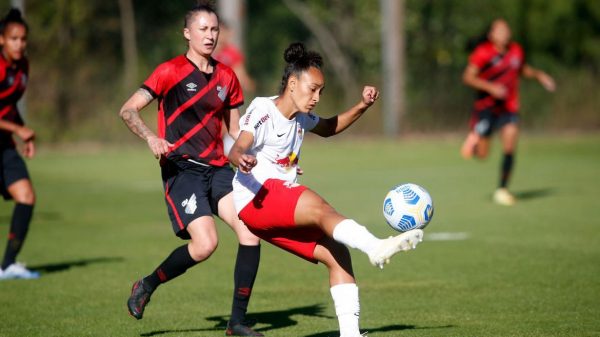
(407, 207)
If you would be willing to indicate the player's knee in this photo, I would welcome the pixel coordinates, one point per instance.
(26, 197)
(322, 212)
(201, 250)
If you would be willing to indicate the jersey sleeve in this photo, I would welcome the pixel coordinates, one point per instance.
(308, 121)
(255, 122)
(155, 83)
(235, 95)
(479, 57)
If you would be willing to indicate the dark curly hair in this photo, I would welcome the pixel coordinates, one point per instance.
(298, 60)
(13, 16)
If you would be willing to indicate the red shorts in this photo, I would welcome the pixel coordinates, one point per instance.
(270, 216)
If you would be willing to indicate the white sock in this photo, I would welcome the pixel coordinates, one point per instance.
(347, 308)
(353, 235)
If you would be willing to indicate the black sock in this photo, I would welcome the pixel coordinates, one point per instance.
(176, 264)
(507, 166)
(18, 231)
(246, 267)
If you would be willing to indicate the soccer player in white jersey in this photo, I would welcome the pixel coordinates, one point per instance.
(291, 216)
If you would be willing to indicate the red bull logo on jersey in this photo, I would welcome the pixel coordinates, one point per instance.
(289, 161)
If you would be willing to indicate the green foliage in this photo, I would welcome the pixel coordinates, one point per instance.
(76, 85)
(529, 270)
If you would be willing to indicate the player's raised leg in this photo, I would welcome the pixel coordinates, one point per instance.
(313, 210)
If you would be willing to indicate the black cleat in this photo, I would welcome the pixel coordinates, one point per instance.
(140, 296)
(240, 330)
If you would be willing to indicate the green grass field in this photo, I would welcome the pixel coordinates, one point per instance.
(528, 270)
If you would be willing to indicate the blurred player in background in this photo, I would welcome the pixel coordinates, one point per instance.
(230, 55)
(195, 95)
(494, 68)
(14, 178)
(287, 214)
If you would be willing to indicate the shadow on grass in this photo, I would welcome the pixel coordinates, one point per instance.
(273, 319)
(62, 266)
(388, 328)
(533, 194)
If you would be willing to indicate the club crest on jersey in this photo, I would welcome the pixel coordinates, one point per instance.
(222, 92)
(191, 86)
(515, 62)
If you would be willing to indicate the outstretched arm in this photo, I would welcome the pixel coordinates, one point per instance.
(130, 113)
(544, 79)
(336, 124)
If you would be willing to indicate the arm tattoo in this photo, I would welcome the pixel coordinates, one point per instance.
(132, 119)
(134, 122)
(148, 97)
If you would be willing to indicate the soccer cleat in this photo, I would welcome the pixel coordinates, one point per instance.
(140, 296)
(240, 330)
(395, 244)
(503, 197)
(18, 271)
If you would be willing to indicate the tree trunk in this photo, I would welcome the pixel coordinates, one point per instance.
(393, 53)
(339, 62)
(233, 13)
(130, 54)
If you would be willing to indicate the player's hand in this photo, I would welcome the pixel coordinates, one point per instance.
(29, 149)
(159, 146)
(299, 171)
(25, 133)
(547, 81)
(246, 163)
(497, 91)
(370, 95)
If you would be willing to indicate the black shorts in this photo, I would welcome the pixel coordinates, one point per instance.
(12, 169)
(192, 191)
(485, 122)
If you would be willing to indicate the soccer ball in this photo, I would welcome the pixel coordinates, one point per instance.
(407, 206)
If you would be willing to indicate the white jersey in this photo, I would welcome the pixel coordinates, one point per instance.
(277, 142)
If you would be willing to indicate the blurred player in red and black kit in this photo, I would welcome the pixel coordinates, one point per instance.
(195, 94)
(14, 178)
(494, 68)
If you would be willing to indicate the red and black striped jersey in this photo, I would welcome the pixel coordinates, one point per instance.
(13, 81)
(503, 68)
(191, 106)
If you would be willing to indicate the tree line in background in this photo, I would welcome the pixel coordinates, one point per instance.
(87, 57)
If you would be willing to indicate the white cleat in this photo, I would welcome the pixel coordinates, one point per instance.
(503, 197)
(395, 244)
(18, 271)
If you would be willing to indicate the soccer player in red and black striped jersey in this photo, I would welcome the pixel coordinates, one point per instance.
(14, 177)
(195, 95)
(494, 69)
